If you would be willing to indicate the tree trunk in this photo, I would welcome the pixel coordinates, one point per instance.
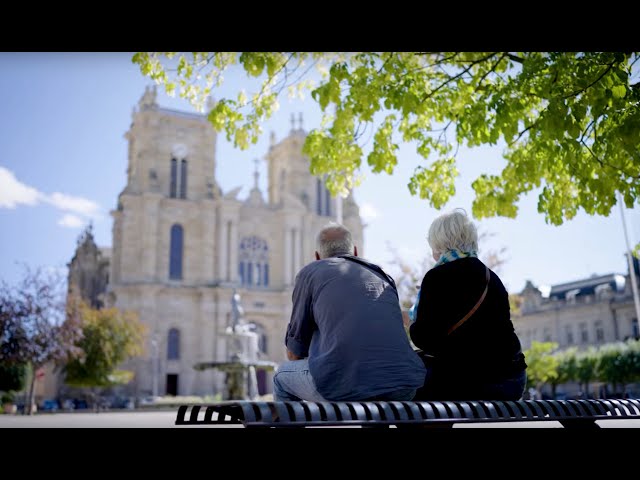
(28, 403)
(553, 390)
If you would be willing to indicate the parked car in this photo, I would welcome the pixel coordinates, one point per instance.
(80, 404)
(123, 402)
(50, 405)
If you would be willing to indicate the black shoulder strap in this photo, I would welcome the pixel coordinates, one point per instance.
(372, 267)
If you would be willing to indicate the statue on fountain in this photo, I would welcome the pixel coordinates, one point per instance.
(237, 313)
(241, 355)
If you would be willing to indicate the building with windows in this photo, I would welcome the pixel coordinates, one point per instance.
(590, 311)
(181, 246)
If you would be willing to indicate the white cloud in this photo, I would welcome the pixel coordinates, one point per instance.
(368, 212)
(69, 203)
(71, 221)
(14, 193)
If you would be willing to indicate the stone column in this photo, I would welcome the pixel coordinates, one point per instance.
(222, 249)
(150, 234)
(296, 251)
(209, 243)
(233, 252)
(287, 257)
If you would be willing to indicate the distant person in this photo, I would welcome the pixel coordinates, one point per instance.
(461, 321)
(346, 340)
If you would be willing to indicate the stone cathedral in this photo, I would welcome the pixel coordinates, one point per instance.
(181, 245)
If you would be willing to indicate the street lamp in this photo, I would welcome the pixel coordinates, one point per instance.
(632, 272)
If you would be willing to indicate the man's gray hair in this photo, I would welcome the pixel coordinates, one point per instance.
(453, 230)
(333, 240)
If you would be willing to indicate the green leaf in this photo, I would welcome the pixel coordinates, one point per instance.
(619, 91)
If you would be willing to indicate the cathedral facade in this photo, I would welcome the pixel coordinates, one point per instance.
(181, 246)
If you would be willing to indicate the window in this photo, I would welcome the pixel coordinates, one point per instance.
(569, 334)
(178, 182)
(173, 344)
(584, 333)
(175, 253)
(599, 332)
(254, 262)
(634, 328)
(173, 185)
(571, 296)
(183, 179)
(546, 334)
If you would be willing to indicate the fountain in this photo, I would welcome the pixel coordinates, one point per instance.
(242, 361)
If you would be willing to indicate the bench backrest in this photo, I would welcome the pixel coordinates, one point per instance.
(579, 413)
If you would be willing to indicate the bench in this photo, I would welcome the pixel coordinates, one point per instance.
(570, 413)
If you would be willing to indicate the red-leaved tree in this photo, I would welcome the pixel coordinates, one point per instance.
(36, 325)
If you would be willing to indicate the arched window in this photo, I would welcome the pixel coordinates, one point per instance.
(323, 199)
(175, 253)
(183, 179)
(253, 258)
(173, 344)
(178, 181)
(173, 185)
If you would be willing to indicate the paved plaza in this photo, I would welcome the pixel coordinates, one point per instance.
(165, 419)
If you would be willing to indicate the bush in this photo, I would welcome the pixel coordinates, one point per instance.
(7, 397)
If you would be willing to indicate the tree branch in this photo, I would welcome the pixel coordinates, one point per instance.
(609, 67)
(492, 69)
(524, 131)
(605, 164)
(515, 58)
(475, 62)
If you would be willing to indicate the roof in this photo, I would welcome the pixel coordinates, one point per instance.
(588, 286)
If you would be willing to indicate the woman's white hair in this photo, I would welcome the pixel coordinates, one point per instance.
(453, 230)
(334, 239)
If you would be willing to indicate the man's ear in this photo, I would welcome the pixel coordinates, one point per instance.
(355, 251)
(317, 256)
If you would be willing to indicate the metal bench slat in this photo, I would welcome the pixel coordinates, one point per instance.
(570, 413)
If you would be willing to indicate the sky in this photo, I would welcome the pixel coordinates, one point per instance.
(63, 160)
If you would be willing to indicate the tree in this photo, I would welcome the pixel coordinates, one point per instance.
(567, 368)
(12, 377)
(630, 363)
(542, 366)
(610, 367)
(587, 365)
(568, 120)
(35, 326)
(110, 337)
